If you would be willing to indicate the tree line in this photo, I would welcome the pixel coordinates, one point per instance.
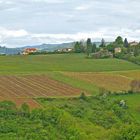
(119, 48)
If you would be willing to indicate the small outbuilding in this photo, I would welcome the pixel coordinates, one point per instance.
(118, 50)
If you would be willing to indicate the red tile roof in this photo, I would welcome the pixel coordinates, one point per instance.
(31, 49)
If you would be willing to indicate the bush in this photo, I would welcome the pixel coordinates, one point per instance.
(83, 96)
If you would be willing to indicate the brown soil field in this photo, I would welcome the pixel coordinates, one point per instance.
(109, 81)
(22, 89)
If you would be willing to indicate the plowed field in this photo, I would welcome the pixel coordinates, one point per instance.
(22, 89)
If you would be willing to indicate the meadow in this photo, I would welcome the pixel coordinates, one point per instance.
(38, 64)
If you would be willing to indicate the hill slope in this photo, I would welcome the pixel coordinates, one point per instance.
(65, 62)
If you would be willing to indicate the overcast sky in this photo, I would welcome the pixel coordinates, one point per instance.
(29, 22)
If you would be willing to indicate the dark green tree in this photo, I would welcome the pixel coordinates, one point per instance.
(102, 43)
(89, 47)
(126, 44)
(119, 40)
(77, 47)
(118, 43)
(110, 47)
(94, 47)
(82, 46)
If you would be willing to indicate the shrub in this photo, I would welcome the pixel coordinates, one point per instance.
(83, 96)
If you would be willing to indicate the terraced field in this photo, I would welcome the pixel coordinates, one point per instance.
(22, 89)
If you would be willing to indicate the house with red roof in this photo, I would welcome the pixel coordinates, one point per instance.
(29, 51)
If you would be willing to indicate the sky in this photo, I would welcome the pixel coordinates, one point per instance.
(32, 22)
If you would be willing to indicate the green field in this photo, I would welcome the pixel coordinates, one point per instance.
(60, 62)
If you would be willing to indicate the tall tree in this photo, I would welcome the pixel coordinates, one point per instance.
(89, 46)
(82, 46)
(94, 48)
(126, 44)
(102, 43)
(77, 47)
(119, 40)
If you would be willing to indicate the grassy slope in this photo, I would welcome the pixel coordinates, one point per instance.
(53, 65)
(65, 62)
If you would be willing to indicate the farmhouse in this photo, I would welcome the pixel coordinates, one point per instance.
(65, 50)
(134, 43)
(29, 51)
(118, 50)
(102, 54)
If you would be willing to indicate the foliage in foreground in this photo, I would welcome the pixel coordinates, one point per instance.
(83, 118)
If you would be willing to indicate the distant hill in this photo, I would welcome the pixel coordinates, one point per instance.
(51, 47)
(42, 47)
(9, 51)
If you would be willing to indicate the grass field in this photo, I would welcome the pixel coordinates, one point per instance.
(60, 62)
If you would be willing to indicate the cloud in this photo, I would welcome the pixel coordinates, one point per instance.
(21, 37)
(7, 35)
(82, 7)
(26, 22)
(50, 1)
(12, 33)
